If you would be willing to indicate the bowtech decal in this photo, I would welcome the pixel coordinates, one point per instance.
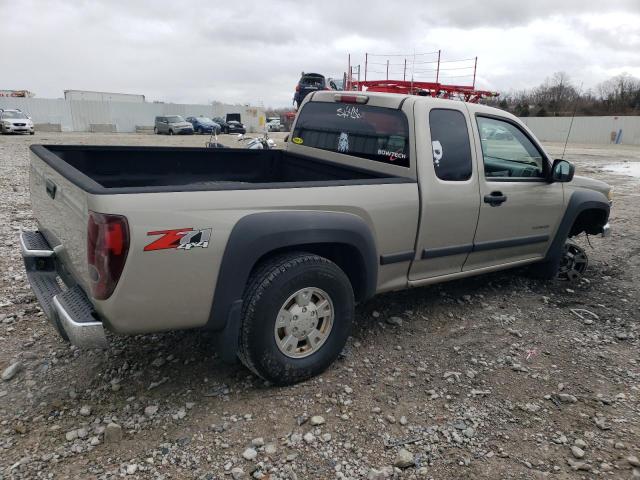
(179, 239)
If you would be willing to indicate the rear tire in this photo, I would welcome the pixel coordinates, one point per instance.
(312, 300)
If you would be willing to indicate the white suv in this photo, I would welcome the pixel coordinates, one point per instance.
(14, 121)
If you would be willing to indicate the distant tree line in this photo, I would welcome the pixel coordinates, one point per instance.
(558, 96)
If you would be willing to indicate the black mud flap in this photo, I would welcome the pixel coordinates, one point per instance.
(226, 340)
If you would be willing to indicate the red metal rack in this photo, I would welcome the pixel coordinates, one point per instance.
(416, 84)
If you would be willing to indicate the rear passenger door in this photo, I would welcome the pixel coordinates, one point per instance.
(449, 194)
(519, 210)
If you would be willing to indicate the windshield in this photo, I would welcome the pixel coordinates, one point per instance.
(13, 115)
(374, 133)
(175, 119)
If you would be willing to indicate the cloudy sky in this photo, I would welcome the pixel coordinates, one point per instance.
(253, 51)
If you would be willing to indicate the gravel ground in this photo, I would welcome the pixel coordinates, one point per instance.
(495, 377)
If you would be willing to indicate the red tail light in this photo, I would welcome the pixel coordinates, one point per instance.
(107, 248)
(297, 88)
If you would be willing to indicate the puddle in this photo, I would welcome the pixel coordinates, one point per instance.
(629, 168)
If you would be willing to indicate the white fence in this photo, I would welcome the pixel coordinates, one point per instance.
(600, 130)
(86, 115)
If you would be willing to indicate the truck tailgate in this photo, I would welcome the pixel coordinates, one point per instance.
(60, 208)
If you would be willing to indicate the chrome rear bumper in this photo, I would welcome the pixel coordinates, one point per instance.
(68, 309)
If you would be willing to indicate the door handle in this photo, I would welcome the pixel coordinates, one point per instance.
(51, 188)
(495, 199)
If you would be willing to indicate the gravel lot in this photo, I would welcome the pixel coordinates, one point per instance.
(495, 377)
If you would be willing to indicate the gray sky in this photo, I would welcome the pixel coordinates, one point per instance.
(253, 51)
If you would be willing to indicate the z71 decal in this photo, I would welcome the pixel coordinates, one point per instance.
(179, 239)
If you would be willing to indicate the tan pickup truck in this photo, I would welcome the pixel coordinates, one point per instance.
(272, 249)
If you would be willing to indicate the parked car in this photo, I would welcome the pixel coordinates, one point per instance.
(234, 126)
(14, 121)
(222, 122)
(172, 124)
(273, 124)
(311, 82)
(272, 249)
(204, 125)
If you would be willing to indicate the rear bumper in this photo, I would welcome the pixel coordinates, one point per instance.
(68, 308)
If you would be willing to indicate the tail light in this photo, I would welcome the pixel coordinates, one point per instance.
(297, 88)
(107, 248)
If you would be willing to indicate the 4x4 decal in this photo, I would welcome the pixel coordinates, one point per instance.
(179, 239)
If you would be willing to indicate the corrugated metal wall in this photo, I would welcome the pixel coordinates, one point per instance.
(79, 115)
(600, 130)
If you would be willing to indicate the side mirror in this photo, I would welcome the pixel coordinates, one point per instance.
(562, 171)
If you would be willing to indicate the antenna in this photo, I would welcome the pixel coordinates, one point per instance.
(575, 108)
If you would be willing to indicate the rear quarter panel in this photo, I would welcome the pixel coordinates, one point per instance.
(173, 289)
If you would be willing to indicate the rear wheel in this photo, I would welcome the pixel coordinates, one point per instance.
(297, 314)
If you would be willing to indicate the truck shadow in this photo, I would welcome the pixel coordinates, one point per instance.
(186, 360)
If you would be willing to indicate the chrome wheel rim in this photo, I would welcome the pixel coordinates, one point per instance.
(574, 262)
(304, 322)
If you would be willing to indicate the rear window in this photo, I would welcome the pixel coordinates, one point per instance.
(450, 144)
(312, 81)
(375, 133)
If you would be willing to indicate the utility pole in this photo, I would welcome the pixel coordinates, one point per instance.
(438, 67)
(475, 67)
(366, 61)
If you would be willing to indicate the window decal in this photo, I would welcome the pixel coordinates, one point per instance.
(343, 142)
(349, 112)
(437, 152)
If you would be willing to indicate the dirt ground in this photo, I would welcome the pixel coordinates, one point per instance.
(495, 377)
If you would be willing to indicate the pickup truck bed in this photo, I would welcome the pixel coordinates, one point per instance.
(106, 169)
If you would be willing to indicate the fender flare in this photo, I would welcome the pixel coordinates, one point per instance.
(580, 201)
(258, 234)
